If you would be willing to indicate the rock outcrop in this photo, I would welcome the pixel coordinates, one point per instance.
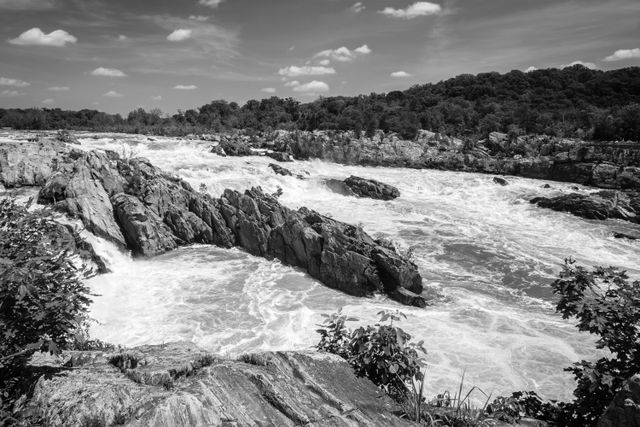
(179, 385)
(371, 188)
(280, 156)
(624, 411)
(142, 208)
(601, 205)
(277, 169)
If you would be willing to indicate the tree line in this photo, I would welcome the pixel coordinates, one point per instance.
(572, 102)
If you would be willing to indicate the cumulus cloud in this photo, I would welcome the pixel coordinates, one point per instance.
(590, 65)
(622, 54)
(107, 72)
(210, 3)
(58, 88)
(35, 37)
(185, 87)
(268, 90)
(343, 54)
(48, 101)
(421, 8)
(358, 7)
(314, 86)
(292, 83)
(324, 62)
(400, 74)
(10, 92)
(199, 18)
(530, 69)
(4, 81)
(157, 98)
(113, 94)
(179, 35)
(307, 70)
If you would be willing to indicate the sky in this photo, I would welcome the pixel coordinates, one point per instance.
(117, 55)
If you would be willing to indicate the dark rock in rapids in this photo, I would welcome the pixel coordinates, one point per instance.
(280, 170)
(371, 188)
(600, 205)
(500, 181)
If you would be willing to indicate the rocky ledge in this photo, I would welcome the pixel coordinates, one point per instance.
(599, 205)
(142, 208)
(180, 385)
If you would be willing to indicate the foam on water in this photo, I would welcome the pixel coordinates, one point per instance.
(490, 251)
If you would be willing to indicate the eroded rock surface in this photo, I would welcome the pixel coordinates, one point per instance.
(599, 205)
(179, 385)
(371, 188)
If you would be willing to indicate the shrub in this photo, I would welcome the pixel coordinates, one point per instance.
(383, 352)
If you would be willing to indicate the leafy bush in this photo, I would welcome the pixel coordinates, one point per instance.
(383, 352)
(42, 297)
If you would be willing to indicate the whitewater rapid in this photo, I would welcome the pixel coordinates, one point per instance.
(483, 246)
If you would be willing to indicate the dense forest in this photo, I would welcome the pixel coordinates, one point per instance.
(571, 102)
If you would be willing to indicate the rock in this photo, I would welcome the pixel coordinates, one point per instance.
(280, 170)
(235, 147)
(605, 175)
(500, 181)
(28, 163)
(619, 235)
(179, 385)
(624, 410)
(371, 188)
(546, 186)
(600, 205)
(217, 149)
(339, 187)
(66, 137)
(280, 156)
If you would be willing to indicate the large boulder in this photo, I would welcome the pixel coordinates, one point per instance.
(180, 385)
(600, 205)
(371, 188)
(28, 163)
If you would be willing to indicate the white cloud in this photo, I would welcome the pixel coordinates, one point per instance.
(358, 7)
(400, 74)
(113, 94)
(48, 101)
(590, 65)
(199, 18)
(312, 87)
(35, 37)
(10, 92)
(157, 98)
(210, 3)
(623, 54)
(268, 90)
(292, 83)
(4, 81)
(27, 4)
(179, 35)
(185, 87)
(107, 72)
(343, 54)
(421, 8)
(307, 70)
(324, 62)
(530, 69)
(58, 88)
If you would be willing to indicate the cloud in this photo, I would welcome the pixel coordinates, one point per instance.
(421, 8)
(48, 101)
(27, 4)
(185, 87)
(312, 87)
(199, 18)
(58, 88)
(122, 38)
(623, 54)
(10, 92)
(180, 35)
(210, 3)
(530, 69)
(590, 65)
(292, 83)
(157, 98)
(113, 94)
(324, 62)
(400, 74)
(4, 81)
(343, 54)
(357, 7)
(307, 70)
(268, 90)
(35, 37)
(107, 72)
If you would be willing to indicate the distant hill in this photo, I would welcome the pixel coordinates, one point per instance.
(572, 102)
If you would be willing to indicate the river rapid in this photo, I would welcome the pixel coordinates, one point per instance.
(483, 246)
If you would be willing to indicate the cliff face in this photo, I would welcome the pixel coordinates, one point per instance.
(179, 385)
(140, 207)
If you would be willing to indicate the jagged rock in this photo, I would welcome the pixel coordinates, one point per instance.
(28, 163)
(280, 170)
(235, 147)
(624, 411)
(66, 137)
(179, 385)
(339, 187)
(619, 235)
(371, 188)
(280, 156)
(600, 205)
(500, 181)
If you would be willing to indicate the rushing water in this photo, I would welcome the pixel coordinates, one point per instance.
(490, 252)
